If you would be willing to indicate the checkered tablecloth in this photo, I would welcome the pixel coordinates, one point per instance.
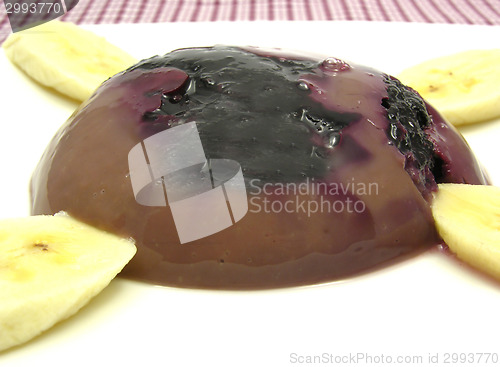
(485, 12)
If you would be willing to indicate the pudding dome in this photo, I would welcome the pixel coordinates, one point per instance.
(245, 168)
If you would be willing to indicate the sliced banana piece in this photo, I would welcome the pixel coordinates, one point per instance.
(50, 267)
(66, 57)
(467, 217)
(462, 86)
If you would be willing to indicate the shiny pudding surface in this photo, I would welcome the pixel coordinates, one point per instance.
(339, 163)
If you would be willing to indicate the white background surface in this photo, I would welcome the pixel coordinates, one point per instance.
(424, 306)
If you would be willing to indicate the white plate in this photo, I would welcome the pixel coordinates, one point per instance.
(420, 309)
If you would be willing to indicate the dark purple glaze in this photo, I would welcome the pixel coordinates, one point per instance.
(366, 150)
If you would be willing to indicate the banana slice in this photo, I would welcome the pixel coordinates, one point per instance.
(468, 219)
(463, 86)
(50, 267)
(66, 57)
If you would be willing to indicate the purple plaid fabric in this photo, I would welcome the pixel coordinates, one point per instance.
(484, 12)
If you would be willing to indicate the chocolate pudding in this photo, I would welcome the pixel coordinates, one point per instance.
(244, 168)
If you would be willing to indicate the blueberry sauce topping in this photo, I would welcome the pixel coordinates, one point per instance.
(266, 108)
(408, 118)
